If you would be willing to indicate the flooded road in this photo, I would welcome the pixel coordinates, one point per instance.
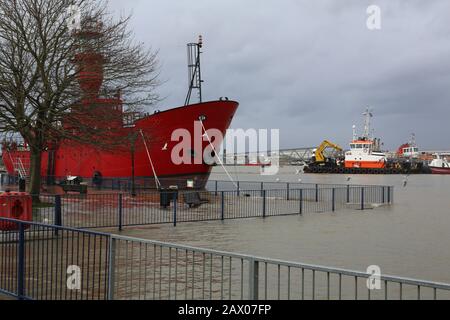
(409, 239)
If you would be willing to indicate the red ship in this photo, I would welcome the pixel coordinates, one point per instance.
(153, 146)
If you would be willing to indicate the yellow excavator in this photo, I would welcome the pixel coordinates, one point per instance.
(319, 158)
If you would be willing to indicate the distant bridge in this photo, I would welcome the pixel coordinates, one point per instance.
(286, 156)
(293, 156)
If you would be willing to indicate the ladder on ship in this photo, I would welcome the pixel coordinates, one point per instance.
(22, 170)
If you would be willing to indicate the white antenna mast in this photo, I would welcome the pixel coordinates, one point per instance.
(368, 114)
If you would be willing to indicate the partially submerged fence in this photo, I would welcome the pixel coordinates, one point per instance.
(121, 210)
(40, 261)
(143, 184)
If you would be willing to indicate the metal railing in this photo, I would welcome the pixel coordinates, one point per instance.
(40, 262)
(143, 184)
(35, 260)
(146, 269)
(226, 185)
(122, 210)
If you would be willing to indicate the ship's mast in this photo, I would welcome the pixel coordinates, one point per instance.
(413, 140)
(368, 116)
(194, 69)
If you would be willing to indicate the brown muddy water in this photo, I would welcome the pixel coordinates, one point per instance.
(410, 238)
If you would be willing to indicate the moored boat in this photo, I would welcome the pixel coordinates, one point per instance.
(156, 138)
(439, 166)
(365, 151)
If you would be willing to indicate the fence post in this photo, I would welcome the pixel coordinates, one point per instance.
(317, 193)
(264, 203)
(253, 276)
(362, 198)
(111, 267)
(175, 204)
(262, 188)
(238, 188)
(216, 183)
(21, 263)
(348, 193)
(58, 213)
(288, 191)
(383, 197)
(389, 195)
(301, 201)
(120, 211)
(222, 205)
(333, 195)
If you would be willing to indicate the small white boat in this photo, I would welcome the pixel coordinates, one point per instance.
(440, 166)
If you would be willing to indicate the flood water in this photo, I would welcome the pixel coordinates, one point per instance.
(410, 238)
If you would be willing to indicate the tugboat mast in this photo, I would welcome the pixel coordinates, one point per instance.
(368, 114)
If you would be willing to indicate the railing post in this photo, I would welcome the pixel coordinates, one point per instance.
(389, 195)
(264, 203)
(216, 184)
(288, 191)
(120, 211)
(21, 263)
(301, 201)
(238, 188)
(262, 188)
(58, 213)
(317, 193)
(222, 205)
(333, 199)
(362, 198)
(253, 276)
(111, 268)
(383, 196)
(175, 205)
(348, 193)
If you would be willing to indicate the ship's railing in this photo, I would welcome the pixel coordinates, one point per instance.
(119, 210)
(46, 262)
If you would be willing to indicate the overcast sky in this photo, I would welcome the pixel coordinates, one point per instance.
(310, 67)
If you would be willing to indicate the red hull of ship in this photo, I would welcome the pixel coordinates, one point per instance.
(436, 170)
(83, 160)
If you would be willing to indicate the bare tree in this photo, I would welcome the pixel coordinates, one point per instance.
(42, 60)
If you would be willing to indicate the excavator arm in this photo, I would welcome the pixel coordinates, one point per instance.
(320, 157)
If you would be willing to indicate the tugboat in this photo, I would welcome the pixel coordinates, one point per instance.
(365, 157)
(409, 150)
(365, 151)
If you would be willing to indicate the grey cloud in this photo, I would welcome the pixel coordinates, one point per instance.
(310, 67)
